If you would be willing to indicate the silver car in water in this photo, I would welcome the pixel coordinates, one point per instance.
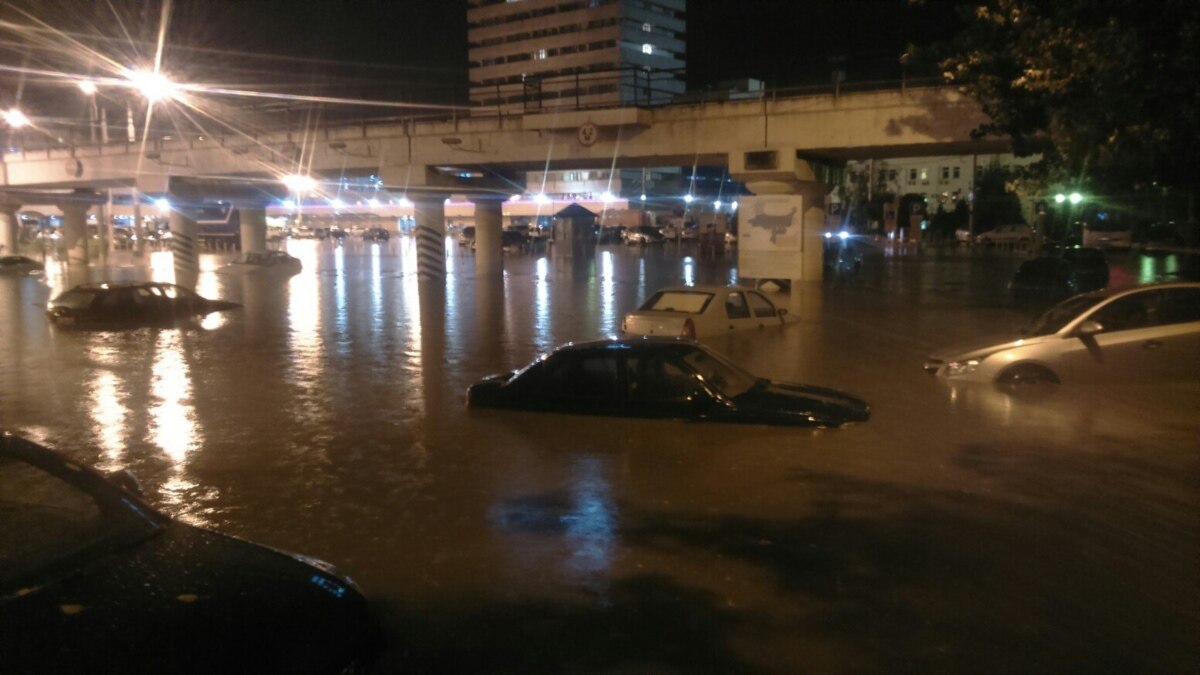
(1138, 334)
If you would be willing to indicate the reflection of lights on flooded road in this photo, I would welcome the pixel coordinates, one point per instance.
(208, 286)
(591, 522)
(689, 271)
(541, 306)
(172, 419)
(107, 407)
(173, 425)
(608, 285)
(304, 316)
(376, 292)
(339, 293)
(162, 266)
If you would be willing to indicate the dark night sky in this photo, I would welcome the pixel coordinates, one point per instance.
(423, 42)
(416, 50)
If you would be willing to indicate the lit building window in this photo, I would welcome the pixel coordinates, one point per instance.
(924, 175)
(646, 27)
(540, 55)
(647, 48)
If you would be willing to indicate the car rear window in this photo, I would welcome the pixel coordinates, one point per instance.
(692, 302)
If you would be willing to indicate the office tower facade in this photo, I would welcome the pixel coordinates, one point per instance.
(535, 55)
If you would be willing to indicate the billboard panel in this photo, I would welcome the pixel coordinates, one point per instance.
(771, 237)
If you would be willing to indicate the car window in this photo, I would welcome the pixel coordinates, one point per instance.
(118, 299)
(1176, 305)
(580, 376)
(1127, 313)
(1058, 316)
(657, 378)
(692, 302)
(760, 305)
(722, 375)
(736, 307)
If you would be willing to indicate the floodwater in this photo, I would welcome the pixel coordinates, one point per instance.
(962, 529)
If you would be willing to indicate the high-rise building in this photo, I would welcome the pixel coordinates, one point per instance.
(532, 55)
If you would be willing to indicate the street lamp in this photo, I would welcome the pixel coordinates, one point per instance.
(1060, 198)
(15, 118)
(152, 84)
(1075, 198)
(87, 86)
(299, 183)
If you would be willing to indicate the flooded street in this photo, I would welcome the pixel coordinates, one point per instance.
(960, 529)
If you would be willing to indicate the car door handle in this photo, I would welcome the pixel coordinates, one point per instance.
(1151, 344)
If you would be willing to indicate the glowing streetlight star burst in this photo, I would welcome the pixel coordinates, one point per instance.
(153, 85)
(15, 118)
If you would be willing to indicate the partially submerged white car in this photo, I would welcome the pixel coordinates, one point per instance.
(702, 311)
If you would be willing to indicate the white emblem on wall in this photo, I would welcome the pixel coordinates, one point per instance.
(588, 134)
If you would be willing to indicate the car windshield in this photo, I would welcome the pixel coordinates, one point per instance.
(692, 302)
(720, 373)
(1061, 314)
(45, 518)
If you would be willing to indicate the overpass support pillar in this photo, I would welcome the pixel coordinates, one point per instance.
(781, 227)
(429, 214)
(489, 256)
(10, 231)
(184, 243)
(253, 228)
(74, 230)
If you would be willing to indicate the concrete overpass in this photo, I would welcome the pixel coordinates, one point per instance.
(773, 145)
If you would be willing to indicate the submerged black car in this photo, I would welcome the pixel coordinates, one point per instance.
(92, 579)
(1060, 272)
(661, 378)
(129, 303)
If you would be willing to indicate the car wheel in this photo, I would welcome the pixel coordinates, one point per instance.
(1026, 373)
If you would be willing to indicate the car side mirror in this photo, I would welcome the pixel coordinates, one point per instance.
(125, 479)
(1088, 328)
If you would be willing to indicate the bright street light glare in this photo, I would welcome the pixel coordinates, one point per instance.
(163, 205)
(1075, 198)
(607, 197)
(299, 183)
(406, 202)
(688, 198)
(643, 197)
(733, 206)
(87, 86)
(717, 204)
(843, 235)
(15, 118)
(337, 203)
(373, 203)
(1060, 198)
(154, 86)
(541, 198)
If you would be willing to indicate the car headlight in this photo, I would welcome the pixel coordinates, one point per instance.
(961, 367)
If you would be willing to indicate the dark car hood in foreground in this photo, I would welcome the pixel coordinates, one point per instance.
(804, 404)
(186, 600)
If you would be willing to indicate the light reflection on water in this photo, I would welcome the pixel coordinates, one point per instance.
(608, 319)
(363, 452)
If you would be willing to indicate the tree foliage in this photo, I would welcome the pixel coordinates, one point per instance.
(1105, 90)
